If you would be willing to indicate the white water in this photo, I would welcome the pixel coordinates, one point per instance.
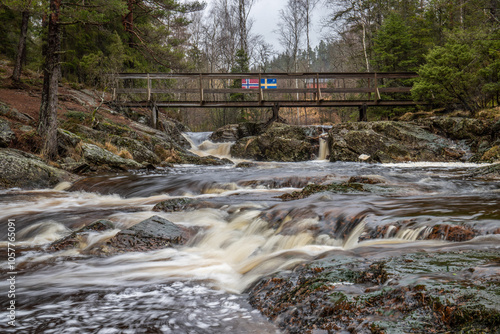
(247, 235)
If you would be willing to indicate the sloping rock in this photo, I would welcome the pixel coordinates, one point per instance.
(24, 170)
(390, 142)
(6, 134)
(491, 171)
(139, 152)
(95, 155)
(13, 113)
(66, 141)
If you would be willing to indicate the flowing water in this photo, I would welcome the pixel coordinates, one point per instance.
(245, 233)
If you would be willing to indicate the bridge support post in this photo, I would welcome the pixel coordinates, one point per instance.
(154, 116)
(363, 117)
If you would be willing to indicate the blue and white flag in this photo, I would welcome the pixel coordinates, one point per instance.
(268, 83)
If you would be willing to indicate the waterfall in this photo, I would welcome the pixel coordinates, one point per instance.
(202, 146)
(324, 150)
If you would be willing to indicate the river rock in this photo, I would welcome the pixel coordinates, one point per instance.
(6, 134)
(74, 240)
(280, 142)
(94, 155)
(152, 233)
(390, 142)
(24, 170)
(174, 205)
(233, 132)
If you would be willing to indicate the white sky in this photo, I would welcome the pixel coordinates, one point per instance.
(266, 17)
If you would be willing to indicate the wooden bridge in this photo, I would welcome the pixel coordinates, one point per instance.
(216, 90)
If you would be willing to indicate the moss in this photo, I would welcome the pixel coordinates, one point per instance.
(77, 116)
(311, 189)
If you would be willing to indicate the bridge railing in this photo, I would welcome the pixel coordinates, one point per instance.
(217, 89)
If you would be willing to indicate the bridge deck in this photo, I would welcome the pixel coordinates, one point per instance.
(212, 90)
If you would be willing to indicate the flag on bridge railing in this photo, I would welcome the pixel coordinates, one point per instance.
(250, 83)
(254, 83)
(268, 83)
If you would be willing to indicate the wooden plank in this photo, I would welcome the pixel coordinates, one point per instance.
(233, 76)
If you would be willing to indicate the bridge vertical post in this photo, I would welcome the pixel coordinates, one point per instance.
(154, 115)
(260, 88)
(149, 87)
(363, 117)
(377, 92)
(318, 96)
(201, 89)
(369, 86)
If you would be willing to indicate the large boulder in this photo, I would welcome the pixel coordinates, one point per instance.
(94, 155)
(279, 142)
(391, 142)
(6, 134)
(152, 233)
(233, 132)
(24, 170)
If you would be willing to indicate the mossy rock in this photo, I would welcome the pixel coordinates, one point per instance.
(269, 148)
(139, 152)
(174, 205)
(27, 171)
(94, 155)
(6, 134)
(234, 132)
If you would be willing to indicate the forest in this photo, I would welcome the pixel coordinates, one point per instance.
(454, 46)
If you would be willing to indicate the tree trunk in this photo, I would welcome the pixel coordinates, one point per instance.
(47, 127)
(128, 22)
(16, 74)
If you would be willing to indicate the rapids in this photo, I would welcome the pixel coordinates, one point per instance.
(247, 234)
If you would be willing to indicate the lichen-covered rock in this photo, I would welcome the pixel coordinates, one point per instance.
(24, 170)
(233, 132)
(279, 142)
(391, 142)
(97, 156)
(66, 141)
(269, 148)
(139, 152)
(6, 134)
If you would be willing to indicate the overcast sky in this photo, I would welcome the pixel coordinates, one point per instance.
(266, 17)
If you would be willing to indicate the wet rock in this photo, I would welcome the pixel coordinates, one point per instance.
(24, 170)
(152, 233)
(175, 204)
(94, 155)
(375, 179)
(246, 165)
(316, 188)
(390, 142)
(139, 152)
(452, 233)
(492, 171)
(6, 134)
(344, 293)
(75, 239)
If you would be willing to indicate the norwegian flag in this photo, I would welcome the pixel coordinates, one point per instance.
(250, 83)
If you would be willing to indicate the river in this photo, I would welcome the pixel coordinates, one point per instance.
(246, 234)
